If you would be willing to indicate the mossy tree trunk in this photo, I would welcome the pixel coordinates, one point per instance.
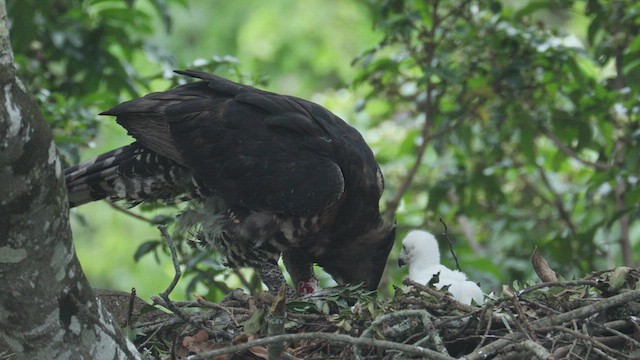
(47, 308)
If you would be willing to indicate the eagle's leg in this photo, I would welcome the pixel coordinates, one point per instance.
(271, 275)
(300, 267)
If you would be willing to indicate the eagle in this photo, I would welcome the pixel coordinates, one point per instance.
(272, 176)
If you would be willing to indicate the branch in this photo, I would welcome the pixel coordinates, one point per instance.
(446, 234)
(424, 316)
(244, 281)
(532, 347)
(276, 321)
(557, 200)
(441, 295)
(464, 223)
(132, 299)
(620, 150)
(334, 338)
(174, 258)
(625, 240)
(431, 106)
(597, 165)
(543, 285)
(593, 340)
(621, 335)
(392, 205)
(166, 302)
(489, 350)
(129, 212)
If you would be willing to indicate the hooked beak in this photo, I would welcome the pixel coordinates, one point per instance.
(401, 262)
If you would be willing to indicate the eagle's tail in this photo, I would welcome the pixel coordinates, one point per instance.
(131, 173)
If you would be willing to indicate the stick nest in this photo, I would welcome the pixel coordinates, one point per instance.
(592, 318)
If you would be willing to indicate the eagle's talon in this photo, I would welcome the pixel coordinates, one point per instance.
(308, 287)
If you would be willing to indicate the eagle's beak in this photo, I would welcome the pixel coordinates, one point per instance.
(401, 262)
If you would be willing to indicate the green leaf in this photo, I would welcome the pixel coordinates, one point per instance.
(256, 323)
(145, 248)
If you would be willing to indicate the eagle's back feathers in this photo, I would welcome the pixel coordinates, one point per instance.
(291, 174)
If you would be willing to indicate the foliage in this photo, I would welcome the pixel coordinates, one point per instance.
(590, 317)
(514, 122)
(77, 56)
(303, 47)
(513, 131)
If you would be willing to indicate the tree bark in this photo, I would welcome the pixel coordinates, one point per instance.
(47, 308)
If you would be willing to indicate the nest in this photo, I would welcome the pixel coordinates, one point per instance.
(591, 318)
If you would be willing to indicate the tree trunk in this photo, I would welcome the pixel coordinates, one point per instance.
(47, 308)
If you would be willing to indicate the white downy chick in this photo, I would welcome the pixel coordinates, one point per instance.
(420, 251)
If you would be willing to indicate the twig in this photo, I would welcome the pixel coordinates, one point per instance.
(243, 280)
(334, 338)
(523, 324)
(441, 295)
(487, 328)
(423, 314)
(543, 285)
(433, 292)
(557, 200)
(604, 355)
(153, 334)
(431, 107)
(464, 224)
(129, 212)
(446, 235)
(174, 258)
(571, 153)
(593, 340)
(276, 319)
(580, 313)
(628, 338)
(229, 311)
(620, 206)
(536, 349)
(620, 149)
(132, 299)
(392, 205)
(166, 302)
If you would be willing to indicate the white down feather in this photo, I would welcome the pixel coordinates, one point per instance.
(421, 253)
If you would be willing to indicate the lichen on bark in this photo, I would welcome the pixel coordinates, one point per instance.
(47, 308)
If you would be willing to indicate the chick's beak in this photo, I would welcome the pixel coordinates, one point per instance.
(402, 259)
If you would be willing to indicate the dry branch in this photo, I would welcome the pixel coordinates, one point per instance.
(590, 318)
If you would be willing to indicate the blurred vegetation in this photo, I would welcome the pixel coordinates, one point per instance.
(516, 123)
(517, 133)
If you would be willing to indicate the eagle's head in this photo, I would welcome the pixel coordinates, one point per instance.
(360, 260)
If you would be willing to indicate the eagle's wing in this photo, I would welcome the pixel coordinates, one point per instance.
(252, 148)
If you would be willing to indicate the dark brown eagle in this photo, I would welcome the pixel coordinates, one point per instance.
(271, 174)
